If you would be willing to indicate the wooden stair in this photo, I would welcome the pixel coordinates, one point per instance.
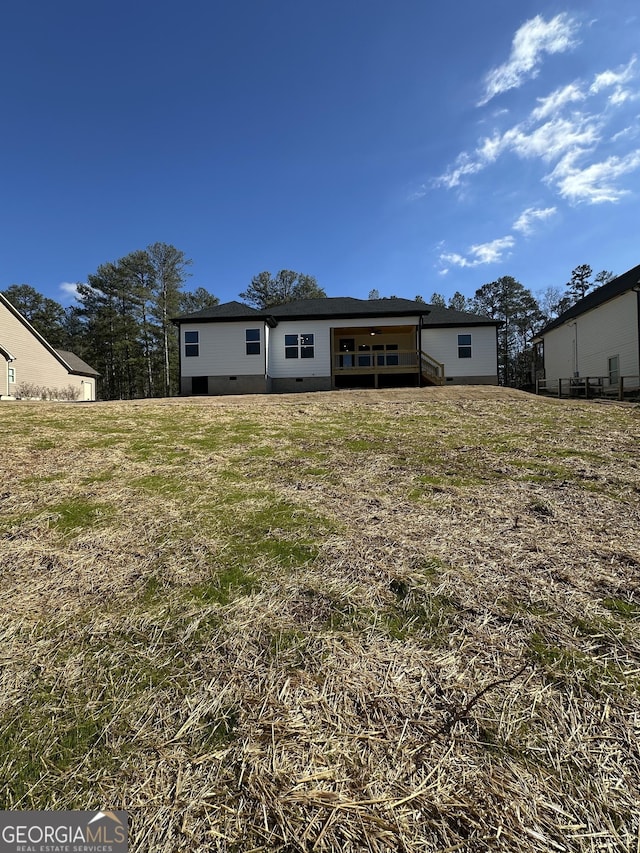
(431, 371)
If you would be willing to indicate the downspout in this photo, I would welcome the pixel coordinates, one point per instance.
(180, 357)
(9, 359)
(265, 336)
(419, 346)
(576, 368)
(636, 289)
(270, 323)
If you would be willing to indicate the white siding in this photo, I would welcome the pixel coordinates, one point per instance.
(222, 350)
(442, 344)
(610, 329)
(281, 367)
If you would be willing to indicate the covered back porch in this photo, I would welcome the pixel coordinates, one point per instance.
(381, 356)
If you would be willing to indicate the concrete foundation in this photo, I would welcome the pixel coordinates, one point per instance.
(306, 383)
(471, 380)
(222, 385)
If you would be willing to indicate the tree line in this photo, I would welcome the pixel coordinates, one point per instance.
(121, 324)
(522, 315)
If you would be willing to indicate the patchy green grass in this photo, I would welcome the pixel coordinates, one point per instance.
(346, 621)
(74, 515)
(621, 607)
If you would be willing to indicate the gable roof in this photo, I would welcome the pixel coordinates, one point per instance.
(4, 352)
(342, 307)
(68, 360)
(616, 287)
(76, 364)
(227, 311)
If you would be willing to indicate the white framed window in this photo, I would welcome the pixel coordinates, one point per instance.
(613, 364)
(12, 376)
(464, 346)
(299, 346)
(252, 341)
(191, 344)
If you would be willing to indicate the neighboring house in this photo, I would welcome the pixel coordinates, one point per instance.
(31, 367)
(598, 337)
(320, 344)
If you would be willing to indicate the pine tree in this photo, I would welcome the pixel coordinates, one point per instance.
(510, 302)
(170, 272)
(266, 291)
(580, 283)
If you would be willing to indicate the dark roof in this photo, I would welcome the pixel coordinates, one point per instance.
(340, 307)
(226, 311)
(69, 360)
(76, 364)
(610, 290)
(441, 316)
(6, 354)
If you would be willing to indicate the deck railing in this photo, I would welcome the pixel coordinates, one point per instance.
(368, 360)
(432, 370)
(588, 387)
(374, 361)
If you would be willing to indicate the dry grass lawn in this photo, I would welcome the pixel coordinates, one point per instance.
(353, 621)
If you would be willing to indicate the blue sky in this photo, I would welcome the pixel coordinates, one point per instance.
(410, 147)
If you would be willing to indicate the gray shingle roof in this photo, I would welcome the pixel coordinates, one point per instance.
(227, 311)
(76, 364)
(343, 307)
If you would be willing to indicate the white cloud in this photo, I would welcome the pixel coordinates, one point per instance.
(464, 166)
(534, 38)
(481, 253)
(69, 288)
(554, 103)
(616, 80)
(626, 132)
(608, 79)
(547, 142)
(551, 140)
(595, 183)
(527, 220)
(546, 133)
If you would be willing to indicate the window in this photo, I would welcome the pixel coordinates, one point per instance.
(346, 347)
(306, 346)
(12, 376)
(299, 346)
(191, 344)
(392, 360)
(464, 346)
(614, 369)
(252, 341)
(364, 360)
(291, 346)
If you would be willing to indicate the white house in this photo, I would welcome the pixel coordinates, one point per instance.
(321, 344)
(598, 337)
(31, 367)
